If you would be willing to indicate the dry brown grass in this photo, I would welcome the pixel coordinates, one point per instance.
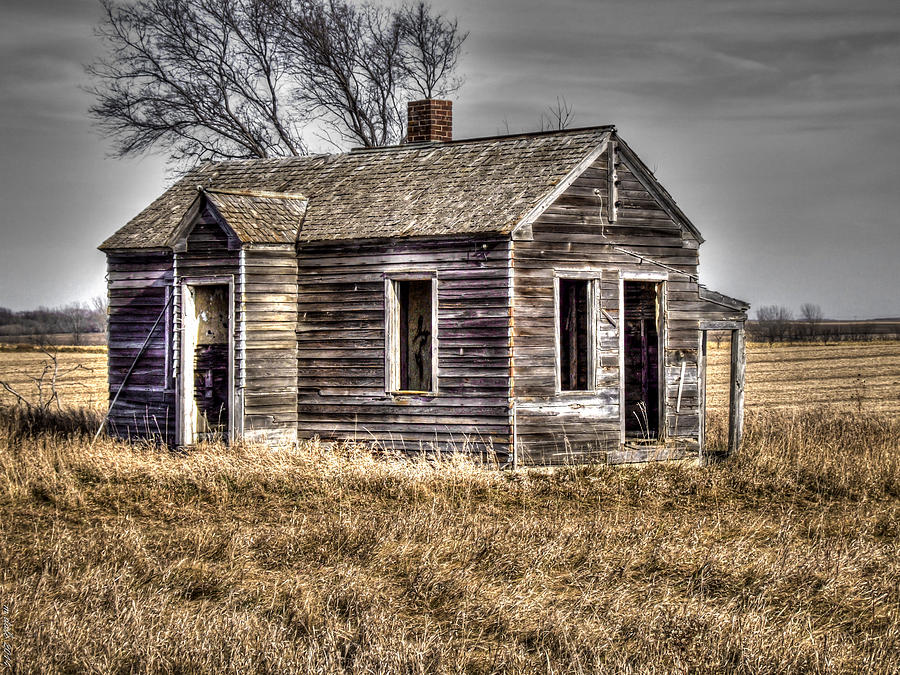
(130, 559)
(127, 558)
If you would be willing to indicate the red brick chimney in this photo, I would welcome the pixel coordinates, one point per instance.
(429, 121)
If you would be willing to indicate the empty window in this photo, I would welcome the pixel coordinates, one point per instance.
(574, 338)
(410, 335)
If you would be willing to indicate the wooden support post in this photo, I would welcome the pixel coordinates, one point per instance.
(736, 399)
(701, 382)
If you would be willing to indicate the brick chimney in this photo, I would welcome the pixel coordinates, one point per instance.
(429, 121)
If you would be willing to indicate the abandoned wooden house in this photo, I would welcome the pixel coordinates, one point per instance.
(533, 295)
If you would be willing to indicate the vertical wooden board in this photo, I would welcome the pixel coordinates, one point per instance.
(736, 395)
(703, 337)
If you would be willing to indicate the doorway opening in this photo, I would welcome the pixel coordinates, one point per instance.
(206, 374)
(641, 363)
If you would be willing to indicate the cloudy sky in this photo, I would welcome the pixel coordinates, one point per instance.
(774, 123)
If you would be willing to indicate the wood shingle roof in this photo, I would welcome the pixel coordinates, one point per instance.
(461, 187)
(257, 216)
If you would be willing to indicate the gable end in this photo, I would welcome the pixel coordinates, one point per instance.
(201, 210)
(522, 230)
(646, 178)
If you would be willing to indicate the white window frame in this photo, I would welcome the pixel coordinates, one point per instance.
(593, 277)
(392, 331)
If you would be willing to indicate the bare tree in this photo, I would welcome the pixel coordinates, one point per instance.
(228, 79)
(432, 45)
(204, 78)
(78, 319)
(357, 66)
(100, 312)
(813, 316)
(774, 322)
(46, 391)
(557, 117)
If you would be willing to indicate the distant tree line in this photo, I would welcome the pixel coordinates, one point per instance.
(777, 323)
(39, 325)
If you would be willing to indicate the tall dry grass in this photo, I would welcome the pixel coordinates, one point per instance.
(132, 559)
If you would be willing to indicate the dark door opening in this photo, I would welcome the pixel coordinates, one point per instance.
(641, 359)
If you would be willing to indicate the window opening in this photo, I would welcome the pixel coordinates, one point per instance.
(415, 335)
(573, 334)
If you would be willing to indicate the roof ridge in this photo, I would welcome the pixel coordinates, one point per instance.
(266, 194)
(602, 128)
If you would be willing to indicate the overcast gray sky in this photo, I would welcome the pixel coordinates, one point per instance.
(775, 124)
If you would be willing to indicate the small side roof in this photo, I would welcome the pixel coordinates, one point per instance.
(721, 299)
(461, 187)
(254, 216)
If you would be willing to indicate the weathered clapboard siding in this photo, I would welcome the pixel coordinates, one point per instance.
(267, 292)
(341, 345)
(265, 319)
(138, 288)
(367, 273)
(575, 235)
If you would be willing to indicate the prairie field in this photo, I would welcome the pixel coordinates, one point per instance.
(80, 381)
(318, 559)
(857, 376)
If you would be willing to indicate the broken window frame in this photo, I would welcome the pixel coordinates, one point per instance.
(592, 278)
(392, 341)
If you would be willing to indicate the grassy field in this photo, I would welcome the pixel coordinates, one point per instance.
(858, 376)
(81, 379)
(786, 558)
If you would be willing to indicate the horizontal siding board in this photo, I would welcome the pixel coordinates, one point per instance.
(137, 297)
(340, 336)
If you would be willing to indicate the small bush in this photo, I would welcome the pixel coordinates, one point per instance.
(20, 421)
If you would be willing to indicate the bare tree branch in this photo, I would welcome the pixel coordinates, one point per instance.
(230, 79)
(557, 117)
(202, 78)
(19, 398)
(433, 45)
